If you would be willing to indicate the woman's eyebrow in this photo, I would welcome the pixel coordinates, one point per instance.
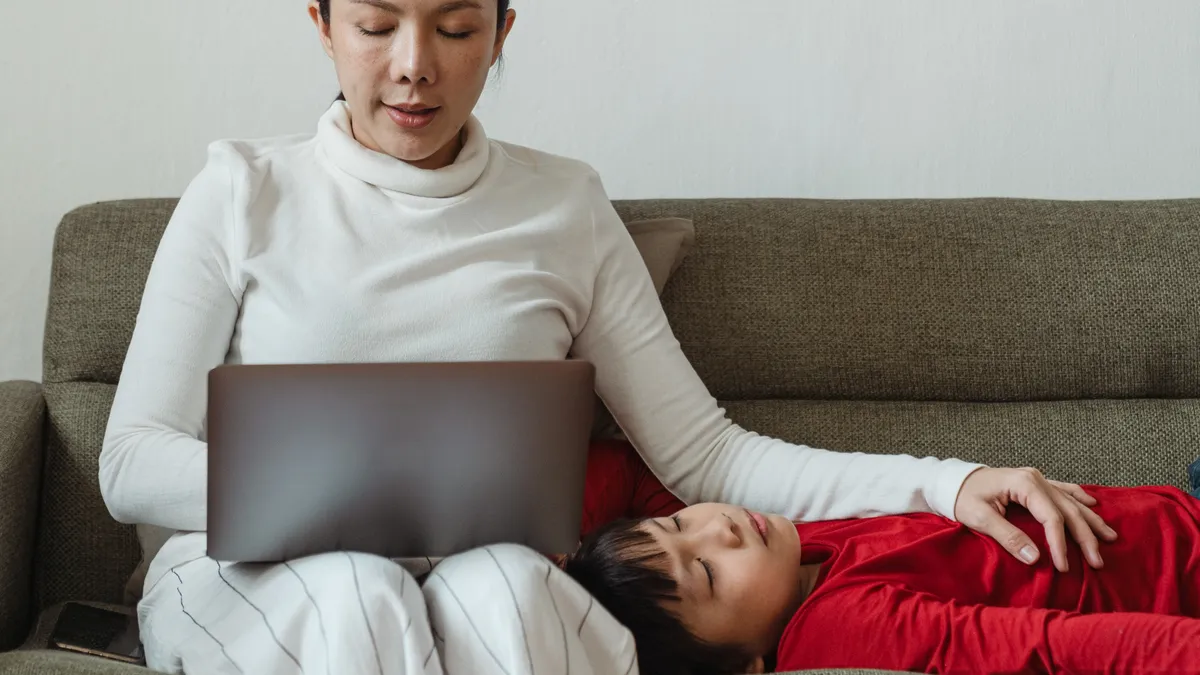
(458, 5)
(381, 4)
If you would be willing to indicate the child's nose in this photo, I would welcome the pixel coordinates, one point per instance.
(725, 532)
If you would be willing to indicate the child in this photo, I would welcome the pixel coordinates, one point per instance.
(718, 589)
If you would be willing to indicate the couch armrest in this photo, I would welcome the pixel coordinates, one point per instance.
(22, 424)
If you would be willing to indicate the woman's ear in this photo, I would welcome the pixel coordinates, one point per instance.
(502, 35)
(314, 13)
(757, 666)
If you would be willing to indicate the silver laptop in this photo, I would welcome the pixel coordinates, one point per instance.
(399, 460)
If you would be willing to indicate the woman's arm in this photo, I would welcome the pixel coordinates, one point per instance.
(154, 465)
(905, 630)
(686, 439)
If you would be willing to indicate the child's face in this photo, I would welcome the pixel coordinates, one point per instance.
(739, 585)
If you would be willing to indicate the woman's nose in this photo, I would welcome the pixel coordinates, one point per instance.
(414, 58)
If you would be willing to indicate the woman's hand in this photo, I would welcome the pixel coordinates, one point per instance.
(1059, 507)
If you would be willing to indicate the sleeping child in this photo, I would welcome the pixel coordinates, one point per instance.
(718, 589)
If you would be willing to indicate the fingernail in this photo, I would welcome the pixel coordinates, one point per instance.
(1029, 554)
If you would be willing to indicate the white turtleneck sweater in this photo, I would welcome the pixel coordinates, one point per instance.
(316, 249)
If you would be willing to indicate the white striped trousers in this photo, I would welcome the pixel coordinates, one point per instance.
(501, 609)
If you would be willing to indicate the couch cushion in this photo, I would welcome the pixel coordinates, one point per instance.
(22, 424)
(964, 300)
(1134, 442)
(102, 255)
(961, 300)
(82, 553)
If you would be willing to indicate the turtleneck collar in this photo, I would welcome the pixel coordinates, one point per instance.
(386, 172)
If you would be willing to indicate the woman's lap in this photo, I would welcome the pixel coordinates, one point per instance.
(499, 609)
(337, 612)
(502, 609)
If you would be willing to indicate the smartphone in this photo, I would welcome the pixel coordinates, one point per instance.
(98, 632)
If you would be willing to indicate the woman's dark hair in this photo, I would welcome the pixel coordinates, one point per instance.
(622, 566)
(501, 11)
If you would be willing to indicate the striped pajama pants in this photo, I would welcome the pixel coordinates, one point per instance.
(501, 609)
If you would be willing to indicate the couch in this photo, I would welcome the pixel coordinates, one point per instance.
(1061, 335)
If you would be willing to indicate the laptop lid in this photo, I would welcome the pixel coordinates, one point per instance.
(399, 460)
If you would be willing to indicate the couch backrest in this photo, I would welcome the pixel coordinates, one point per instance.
(1064, 335)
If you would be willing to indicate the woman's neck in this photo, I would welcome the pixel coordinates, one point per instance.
(459, 164)
(440, 159)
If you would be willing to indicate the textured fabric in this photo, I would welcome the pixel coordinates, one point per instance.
(337, 144)
(82, 554)
(954, 300)
(275, 256)
(961, 300)
(59, 663)
(814, 299)
(22, 419)
(46, 662)
(495, 610)
(102, 254)
(1135, 442)
(884, 583)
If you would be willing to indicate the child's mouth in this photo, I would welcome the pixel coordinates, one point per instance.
(760, 525)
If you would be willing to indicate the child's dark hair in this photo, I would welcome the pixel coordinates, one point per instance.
(625, 569)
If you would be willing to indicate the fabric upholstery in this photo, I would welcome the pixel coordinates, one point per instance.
(102, 255)
(1137, 442)
(46, 662)
(1062, 335)
(22, 420)
(950, 300)
(82, 553)
(59, 663)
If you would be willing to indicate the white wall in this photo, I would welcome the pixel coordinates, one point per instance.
(687, 98)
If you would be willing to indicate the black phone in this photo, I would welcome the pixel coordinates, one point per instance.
(105, 633)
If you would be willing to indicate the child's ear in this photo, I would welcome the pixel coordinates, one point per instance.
(757, 666)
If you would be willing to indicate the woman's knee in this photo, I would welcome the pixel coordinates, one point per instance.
(373, 580)
(507, 568)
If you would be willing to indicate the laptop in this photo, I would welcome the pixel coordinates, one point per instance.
(401, 460)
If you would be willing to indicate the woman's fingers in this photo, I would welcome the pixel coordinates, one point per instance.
(1075, 491)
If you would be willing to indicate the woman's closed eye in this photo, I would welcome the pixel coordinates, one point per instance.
(381, 32)
(375, 32)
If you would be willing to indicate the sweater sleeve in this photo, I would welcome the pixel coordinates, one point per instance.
(907, 630)
(685, 437)
(154, 463)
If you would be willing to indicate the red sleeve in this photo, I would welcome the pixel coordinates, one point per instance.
(620, 485)
(883, 626)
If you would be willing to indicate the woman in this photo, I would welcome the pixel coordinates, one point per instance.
(350, 245)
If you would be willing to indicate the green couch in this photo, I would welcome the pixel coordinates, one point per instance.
(1062, 335)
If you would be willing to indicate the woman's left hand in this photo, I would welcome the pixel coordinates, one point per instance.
(1059, 507)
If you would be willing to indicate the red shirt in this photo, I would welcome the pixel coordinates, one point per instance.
(924, 594)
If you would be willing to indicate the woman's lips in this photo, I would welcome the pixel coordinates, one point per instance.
(760, 524)
(412, 118)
